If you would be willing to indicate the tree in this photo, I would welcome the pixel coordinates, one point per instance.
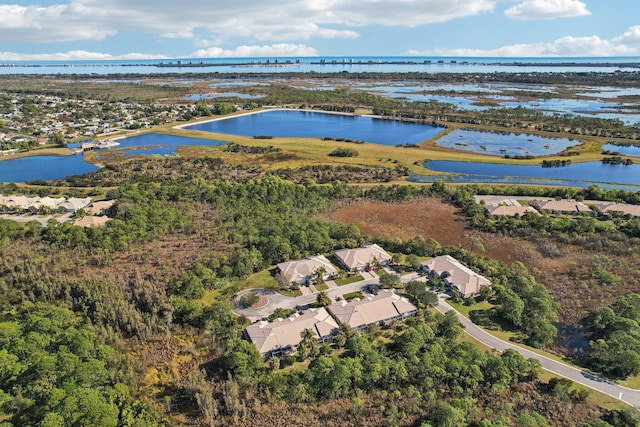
(413, 261)
(420, 295)
(389, 280)
(308, 346)
(249, 299)
(323, 299)
(318, 275)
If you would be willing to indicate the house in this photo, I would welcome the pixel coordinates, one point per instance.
(74, 204)
(91, 221)
(303, 271)
(562, 206)
(457, 275)
(363, 258)
(17, 202)
(502, 210)
(281, 337)
(98, 208)
(383, 308)
(610, 207)
(47, 202)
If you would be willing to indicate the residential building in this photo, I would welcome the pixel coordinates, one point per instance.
(383, 308)
(562, 206)
(281, 337)
(503, 210)
(98, 208)
(456, 275)
(303, 271)
(74, 204)
(363, 258)
(610, 207)
(91, 221)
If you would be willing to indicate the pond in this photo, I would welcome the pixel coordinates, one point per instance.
(574, 175)
(57, 167)
(311, 124)
(43, 167)
(504, 143)
(625, 150)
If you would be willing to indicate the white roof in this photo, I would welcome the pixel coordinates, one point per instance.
(361, 257)
(466, 280)
(284, 333)
(75, 203)
(300, 270)
(48, 202)
(372, 309)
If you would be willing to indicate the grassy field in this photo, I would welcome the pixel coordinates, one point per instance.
(347, 280)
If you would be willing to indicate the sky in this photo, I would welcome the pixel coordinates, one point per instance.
(146, 29)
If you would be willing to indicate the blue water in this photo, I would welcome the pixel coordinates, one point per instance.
(43, 167)
(200, 96)
(504, 143)
(153, 143)
(626, 150)
(55, 167)
(575, 174)
(293, 123)
(331, 65)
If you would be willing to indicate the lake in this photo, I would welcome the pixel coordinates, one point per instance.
(504, 143)
(575, 175)
(310, 124)
(57, 167)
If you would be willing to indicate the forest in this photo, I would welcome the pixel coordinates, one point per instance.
(133, 320)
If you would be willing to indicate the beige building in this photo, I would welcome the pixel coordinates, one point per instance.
(281, 337)
(457, 275)
(98, 208)
(303, 271)
(363, 258)
(502, 210)
(610, 207)
(91, 221)
(385, 307)
(562, 206)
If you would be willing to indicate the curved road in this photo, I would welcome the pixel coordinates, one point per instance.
(627, 395)
(276, 300)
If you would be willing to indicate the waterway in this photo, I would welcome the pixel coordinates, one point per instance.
(325, 64)
(574, 175)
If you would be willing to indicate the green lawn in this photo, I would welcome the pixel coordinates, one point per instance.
(321, 286)
(347, 280)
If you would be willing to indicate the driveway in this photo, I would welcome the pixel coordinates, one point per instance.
(627, 395)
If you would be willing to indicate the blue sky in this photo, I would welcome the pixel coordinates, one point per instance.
(140, 29)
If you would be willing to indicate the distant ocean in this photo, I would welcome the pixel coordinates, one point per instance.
(325, 64)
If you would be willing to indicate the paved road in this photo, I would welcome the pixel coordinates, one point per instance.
(627, 395)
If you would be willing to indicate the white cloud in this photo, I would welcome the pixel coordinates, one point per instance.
(566, 46)
(631, 36)
(73, 55)
(256, 51)
(273, 21)
(547, 9)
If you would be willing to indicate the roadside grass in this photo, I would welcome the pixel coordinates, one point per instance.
(261, 279)
(633, 382)
(348, 280)
(595, 397)
(321, 287)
